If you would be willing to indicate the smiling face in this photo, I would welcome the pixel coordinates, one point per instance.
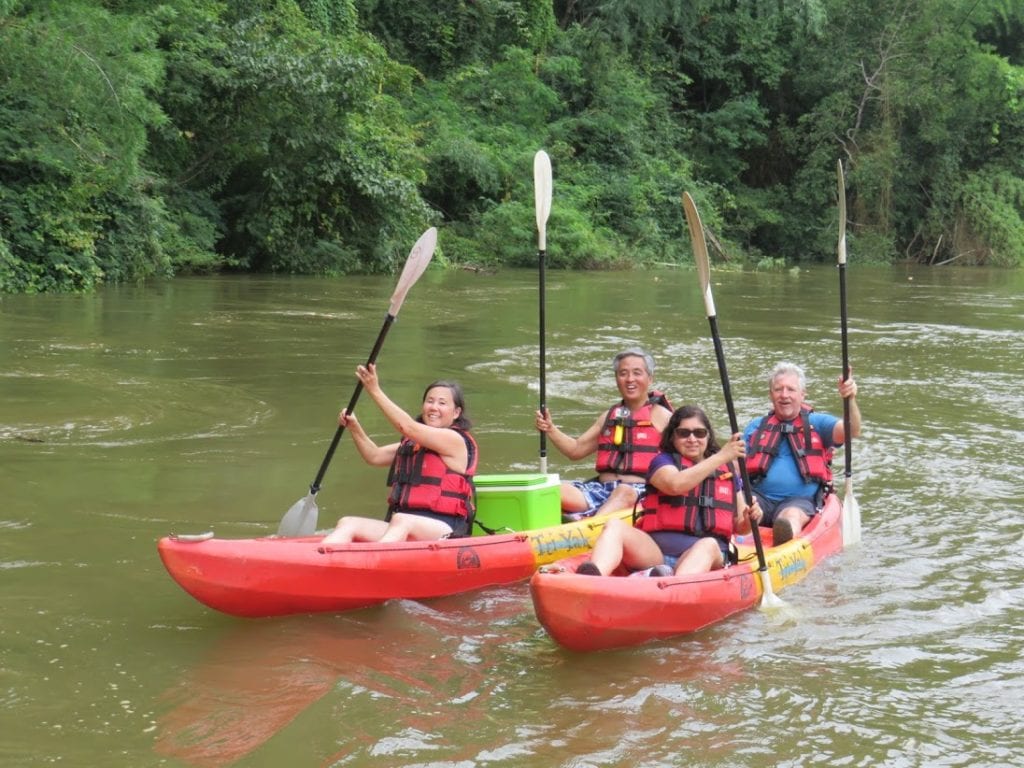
(634, 380)
(691, 446)
(439, 409)
(787, 396)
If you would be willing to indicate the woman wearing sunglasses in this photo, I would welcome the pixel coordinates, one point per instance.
(691, 509)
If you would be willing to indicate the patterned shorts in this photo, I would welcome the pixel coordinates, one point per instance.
(596, 493)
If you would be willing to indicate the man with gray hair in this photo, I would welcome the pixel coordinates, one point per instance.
(625, 438)
(789, 451)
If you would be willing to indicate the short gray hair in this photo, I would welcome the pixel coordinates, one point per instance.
(787, 369)
(634, 352)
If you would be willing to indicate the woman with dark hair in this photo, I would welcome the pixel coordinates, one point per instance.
(690, 510)
(432, 467)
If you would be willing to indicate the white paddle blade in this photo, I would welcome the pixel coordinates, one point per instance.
(700, 252)
(842, 212)
(768, 597)
(300, 520)
(415, 265)
(542, 193)
(851, 516)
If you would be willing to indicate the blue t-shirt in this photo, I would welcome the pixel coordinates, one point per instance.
(659, 461)
(783, 479)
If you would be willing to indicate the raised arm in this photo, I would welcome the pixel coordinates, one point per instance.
(446, 442)
(573, 448)
(847, 389)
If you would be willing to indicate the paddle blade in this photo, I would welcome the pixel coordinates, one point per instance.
(700, 252)
(842, 212)
(300, 520)
(417, 262)
(851, 516)
(768, 597)
(542, 192)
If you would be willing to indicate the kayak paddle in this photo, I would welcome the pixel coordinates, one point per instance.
(300, 520)
(542, 192)
(851, 509)
(700, 256)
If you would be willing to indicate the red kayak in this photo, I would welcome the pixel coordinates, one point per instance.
(274, 576)
(590, 613)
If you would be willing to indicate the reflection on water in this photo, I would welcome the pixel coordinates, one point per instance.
(254, 682)
(260, 676)
(484, 690)
(208, 404)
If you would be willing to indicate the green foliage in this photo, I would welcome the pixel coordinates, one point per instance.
(11, 278)
(618, 173)
(769, 264)
(993, 224)
(437, 38)
(297, 139)
(144, 140)
(1000, 24)
(332, 17)
(76, 109)
(73, 128)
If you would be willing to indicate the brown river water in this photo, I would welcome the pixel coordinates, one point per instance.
(207, 404)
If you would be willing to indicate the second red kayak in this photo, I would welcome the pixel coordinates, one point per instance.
(590, 613)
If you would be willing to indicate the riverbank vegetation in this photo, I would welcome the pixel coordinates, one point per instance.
(141, 139)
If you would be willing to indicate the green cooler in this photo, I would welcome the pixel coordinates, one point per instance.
(517, 502)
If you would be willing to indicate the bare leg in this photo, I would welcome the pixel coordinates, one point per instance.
(623, 497)
(573, 499)
(702, 557)
(408, 527)
(788, 523)
(797, 518)
(351, 529)
(620, 542)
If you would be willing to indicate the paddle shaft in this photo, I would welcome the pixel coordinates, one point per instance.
(841, 263)
(300, 519)
(847, 431)
(851, 511)
(542, 198)
(703, 263)
(543, 363)
(314, 487)
(734, 427)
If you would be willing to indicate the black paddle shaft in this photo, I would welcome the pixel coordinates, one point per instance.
(314, 488)
(734, 427)
(543, 363)
(847, 437)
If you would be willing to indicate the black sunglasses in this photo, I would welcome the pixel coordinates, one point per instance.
(700, 433)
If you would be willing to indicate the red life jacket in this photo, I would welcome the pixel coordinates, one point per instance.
(707, 509)
(812, 458)
(629, 441)
(420, 480)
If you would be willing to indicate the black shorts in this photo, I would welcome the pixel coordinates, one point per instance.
(674, 544)
(771, 508)
(458, 524)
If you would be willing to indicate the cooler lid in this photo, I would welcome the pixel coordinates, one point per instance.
(485, 481)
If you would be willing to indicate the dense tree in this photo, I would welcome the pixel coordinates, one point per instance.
(321, 136)
(74, 112)
(438, 38)
(919, 112)
(295, 136)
